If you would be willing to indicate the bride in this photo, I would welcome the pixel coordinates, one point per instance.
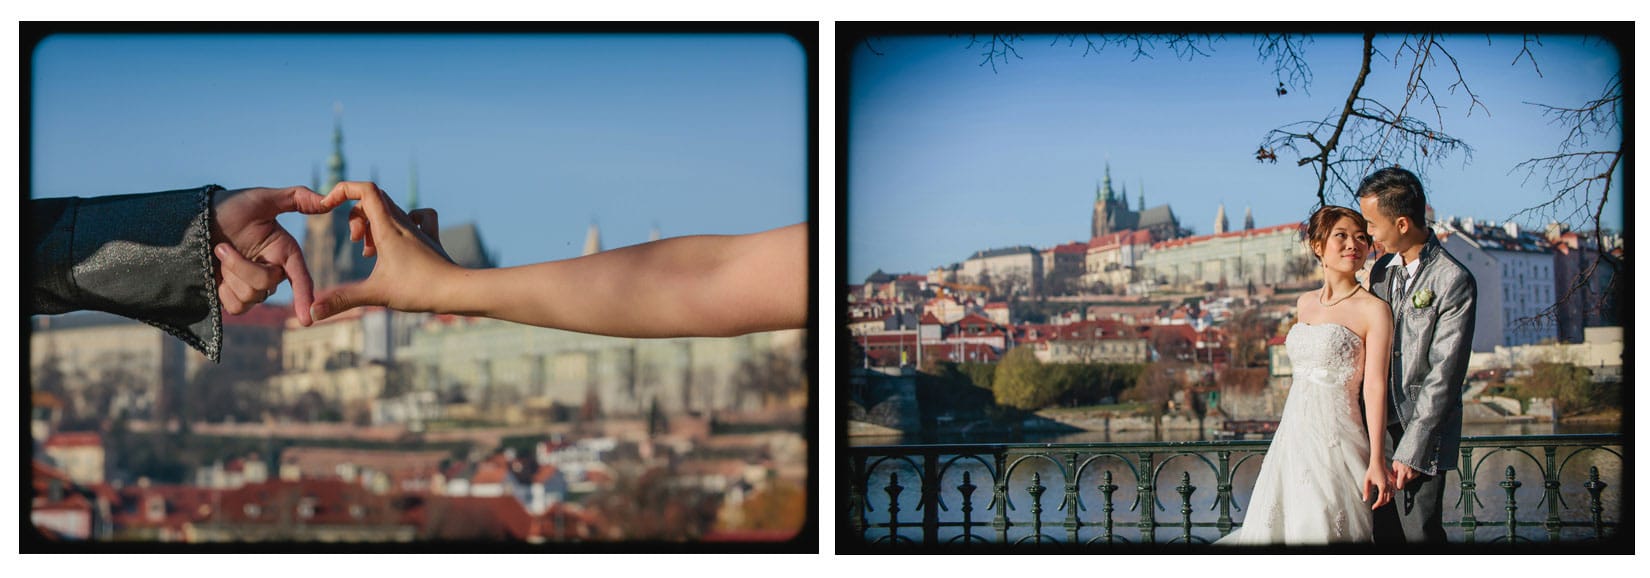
(1315, 481)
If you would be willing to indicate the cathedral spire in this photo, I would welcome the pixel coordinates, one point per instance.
(1108, 181)
(336, 169)
(1142, 194)
(1248, 219)
(1220, 219)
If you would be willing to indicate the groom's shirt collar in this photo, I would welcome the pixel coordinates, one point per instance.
(1412, 267)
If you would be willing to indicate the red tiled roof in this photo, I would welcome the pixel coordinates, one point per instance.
(41, 399)
(471, 518)
(1201, 238)
(913, 277)
(75, 439)
(929, 319)
(996, 305)
(1072, 247)
(329, 499)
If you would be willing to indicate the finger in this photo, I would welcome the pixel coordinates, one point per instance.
(258, 276)
(303, 289)
(357, 223)
(428, 222)
(231, 303)
(301, 199)
(234, 290)
(342, 298)
(372, 201)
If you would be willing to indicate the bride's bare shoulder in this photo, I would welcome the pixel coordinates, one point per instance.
(1372, 307)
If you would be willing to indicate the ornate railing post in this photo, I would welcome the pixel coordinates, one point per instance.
(1186, 488)
(1148, 502)
(893, 488)
(1469, 496)
(1036, 491)
(967, 488)
(1551, 496)
(1595, 487)
(1072, 502)
(999, 498)
(857, 481)
(1106, 487)
(930, 503)
(1511, 485)
(1223, 492)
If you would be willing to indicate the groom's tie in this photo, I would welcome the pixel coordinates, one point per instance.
(1400, 278)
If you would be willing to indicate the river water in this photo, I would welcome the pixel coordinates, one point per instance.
(1490, 507)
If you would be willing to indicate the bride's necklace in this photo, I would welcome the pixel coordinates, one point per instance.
(1354, 291)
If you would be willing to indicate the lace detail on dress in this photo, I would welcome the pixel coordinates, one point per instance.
(1307, 490)
(1328, 360)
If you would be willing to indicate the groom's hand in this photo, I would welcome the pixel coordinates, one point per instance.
(254, 252)
(1402, 473)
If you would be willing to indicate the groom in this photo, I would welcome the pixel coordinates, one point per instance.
(1433, 300)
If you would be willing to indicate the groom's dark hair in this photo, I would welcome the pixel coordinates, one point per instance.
(1398, 193)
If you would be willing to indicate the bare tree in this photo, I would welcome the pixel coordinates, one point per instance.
(1366, 133)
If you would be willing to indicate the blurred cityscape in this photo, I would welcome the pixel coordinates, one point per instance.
(381, 426)
(1149, 332)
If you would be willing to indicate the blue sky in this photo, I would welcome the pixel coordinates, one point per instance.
(946, 157)
(530, 137)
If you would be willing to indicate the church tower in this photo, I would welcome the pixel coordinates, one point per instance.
(1103, 198)
(323, 231)
(1220, 220)
(1248, 219)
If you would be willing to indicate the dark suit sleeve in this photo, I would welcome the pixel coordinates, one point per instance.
(1440, 391)
(147, 257)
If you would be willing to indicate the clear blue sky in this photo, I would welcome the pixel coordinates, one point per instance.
(947, 158)
(530, 137)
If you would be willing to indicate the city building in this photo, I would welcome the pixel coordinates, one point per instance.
(510, 365)
(1111, 262)
(1517, 284)
(1260, 257)
(79, 350)
(1091, 341)
(1583, 304)
(78, 454)
(1063, 267)
(1009, 271)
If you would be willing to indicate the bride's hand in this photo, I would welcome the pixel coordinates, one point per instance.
(1377, 477)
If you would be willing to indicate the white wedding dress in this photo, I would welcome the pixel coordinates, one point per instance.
(1309, 487)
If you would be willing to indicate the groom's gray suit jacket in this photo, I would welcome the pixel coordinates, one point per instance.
(1430, 347)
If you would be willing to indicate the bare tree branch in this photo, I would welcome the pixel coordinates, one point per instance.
(870, 47)
(1288, 56)
(1525, 51)
(999, 46)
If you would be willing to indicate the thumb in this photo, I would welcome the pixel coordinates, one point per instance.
(342, 298)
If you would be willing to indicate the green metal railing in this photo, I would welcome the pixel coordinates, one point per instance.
(925, 495)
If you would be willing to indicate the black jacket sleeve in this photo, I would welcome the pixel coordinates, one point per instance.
(145, 256)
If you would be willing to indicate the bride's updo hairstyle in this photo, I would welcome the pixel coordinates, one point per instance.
(1322, 221)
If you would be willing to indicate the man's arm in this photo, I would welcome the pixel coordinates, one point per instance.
(1447, 355)
(147, 257)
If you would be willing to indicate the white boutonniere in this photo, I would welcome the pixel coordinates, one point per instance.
(1422, 299)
